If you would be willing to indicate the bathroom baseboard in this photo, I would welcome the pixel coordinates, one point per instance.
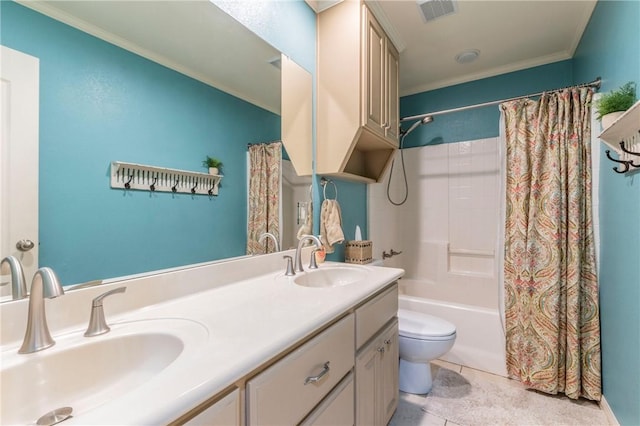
(611, 418)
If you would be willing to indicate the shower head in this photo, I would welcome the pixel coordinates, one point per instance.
(426, 119)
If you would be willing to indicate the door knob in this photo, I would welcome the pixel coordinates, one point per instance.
(25, 245)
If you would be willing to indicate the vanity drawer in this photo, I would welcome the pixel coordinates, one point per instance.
(374, 314)
(337, 409)
(287, 391)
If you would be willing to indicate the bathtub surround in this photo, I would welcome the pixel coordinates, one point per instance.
(447, 232)
(551, 288)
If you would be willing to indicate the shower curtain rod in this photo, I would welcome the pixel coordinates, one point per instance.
(595, 83)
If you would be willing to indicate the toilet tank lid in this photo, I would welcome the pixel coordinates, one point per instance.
(418, 325)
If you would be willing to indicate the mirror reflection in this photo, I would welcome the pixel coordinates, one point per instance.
(199, 84)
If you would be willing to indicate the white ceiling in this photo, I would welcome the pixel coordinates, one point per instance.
(510, 34)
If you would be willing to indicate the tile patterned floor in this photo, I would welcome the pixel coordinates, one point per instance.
(410, 407)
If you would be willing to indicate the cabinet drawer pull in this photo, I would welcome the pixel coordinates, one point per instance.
(381, 349)
(387, 342)
(314, 379)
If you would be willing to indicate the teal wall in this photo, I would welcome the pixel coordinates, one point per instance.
(610, 47)
(353, 204)
(477, 123)
(100, 103)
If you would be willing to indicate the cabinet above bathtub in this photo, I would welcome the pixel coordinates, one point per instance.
(358, 96)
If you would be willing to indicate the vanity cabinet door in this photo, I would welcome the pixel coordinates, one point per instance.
(380, 83)
(377, 378)
(225, 412)
(389, 365)
(374, 95)
(392, 92)
(287, 392)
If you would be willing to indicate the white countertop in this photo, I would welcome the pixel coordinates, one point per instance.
(248, 322)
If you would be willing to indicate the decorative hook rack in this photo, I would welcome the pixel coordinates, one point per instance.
(624, 137)
(161, 179)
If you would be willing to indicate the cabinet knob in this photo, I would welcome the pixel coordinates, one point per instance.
(387, 342)
(381, 349)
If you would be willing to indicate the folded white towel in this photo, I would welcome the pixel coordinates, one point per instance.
(330, 225)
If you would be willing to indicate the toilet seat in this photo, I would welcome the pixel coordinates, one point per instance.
(416, 325)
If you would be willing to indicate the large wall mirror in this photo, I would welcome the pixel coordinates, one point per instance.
(176, 81)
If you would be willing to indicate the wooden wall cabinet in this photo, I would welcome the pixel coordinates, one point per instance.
(358, 107)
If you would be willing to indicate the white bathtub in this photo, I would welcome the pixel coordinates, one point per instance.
(480, 340)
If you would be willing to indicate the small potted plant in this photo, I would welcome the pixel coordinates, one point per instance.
(213, 164)
(612, 105)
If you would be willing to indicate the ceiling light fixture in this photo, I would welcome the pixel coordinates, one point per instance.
(467, 56)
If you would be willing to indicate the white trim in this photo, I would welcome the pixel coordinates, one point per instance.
(608, 412)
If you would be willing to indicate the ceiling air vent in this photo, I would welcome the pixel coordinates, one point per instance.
(434, 9)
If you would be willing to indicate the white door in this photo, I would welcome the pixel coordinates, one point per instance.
(19, 109)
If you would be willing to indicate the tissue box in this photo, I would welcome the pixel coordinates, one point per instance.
(359, 252)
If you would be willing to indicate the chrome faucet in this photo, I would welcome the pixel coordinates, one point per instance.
(298, 263)
(45, 283)
(266, 235)
(18, 283)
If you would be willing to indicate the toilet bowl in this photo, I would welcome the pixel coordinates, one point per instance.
(422, 339)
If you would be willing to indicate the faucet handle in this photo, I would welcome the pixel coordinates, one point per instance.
(97, 323)
(290, 272)
(313, 264)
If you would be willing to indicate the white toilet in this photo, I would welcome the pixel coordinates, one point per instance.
(423, 338)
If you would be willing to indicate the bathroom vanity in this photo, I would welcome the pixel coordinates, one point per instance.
(235, 342)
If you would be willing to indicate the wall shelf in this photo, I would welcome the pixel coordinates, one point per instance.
(161, 179)
(624, 135)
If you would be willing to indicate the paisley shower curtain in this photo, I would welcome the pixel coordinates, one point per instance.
(264, 195)
(551, 288)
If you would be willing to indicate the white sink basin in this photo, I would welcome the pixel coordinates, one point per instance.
(83, 373)
(331, 276)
